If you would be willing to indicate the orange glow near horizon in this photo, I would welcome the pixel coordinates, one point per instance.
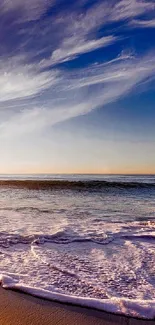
(125, 171)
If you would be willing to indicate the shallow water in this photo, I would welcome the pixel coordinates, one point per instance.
(83, 236)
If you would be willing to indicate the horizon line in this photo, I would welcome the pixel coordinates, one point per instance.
(95, 174)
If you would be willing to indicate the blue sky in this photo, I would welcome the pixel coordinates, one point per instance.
(77, 86)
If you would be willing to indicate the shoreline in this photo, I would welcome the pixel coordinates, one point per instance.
(22, 308)
(120, 307)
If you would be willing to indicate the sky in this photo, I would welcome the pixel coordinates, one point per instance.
(77, 86)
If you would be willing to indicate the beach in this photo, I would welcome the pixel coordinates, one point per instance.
(82, 241)
(22, 309)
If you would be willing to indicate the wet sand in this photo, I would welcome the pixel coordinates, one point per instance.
(21, 309)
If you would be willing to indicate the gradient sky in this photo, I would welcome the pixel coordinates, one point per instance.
(77, 86)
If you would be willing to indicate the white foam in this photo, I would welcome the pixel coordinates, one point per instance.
(134, 308)
(91, 250)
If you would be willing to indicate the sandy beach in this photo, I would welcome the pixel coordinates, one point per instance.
(22, 309)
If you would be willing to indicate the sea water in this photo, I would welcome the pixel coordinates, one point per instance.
(81, 239)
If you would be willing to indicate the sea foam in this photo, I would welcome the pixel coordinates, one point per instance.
(82, 241)
(130, 307)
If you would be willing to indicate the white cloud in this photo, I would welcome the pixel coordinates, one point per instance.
(35, 119)
(29, 9)
(79, 29)
(72, 47)
(70, 93)
(126, 9)
(120, 70)
(143, 23)
(105, 12)
(19, 81)
(73, 96)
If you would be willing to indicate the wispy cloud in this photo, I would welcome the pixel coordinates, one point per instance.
(79, 29)
(72, 47)
(39, 91)
(143, 23)
(28, 9)
(126, 9)
(128, 69)
(21, 81)
(71, 95)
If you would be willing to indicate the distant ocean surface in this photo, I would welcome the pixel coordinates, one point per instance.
(82, 239)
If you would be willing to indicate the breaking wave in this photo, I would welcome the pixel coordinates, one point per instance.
(81, 241)
(63, 237)
(130, 307)
(75, 185)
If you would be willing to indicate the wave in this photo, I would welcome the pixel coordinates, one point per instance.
(40, 246)
(144, 237)
(64, 237)
(61, 237)
(130, 307)
(74, 185)
(26, 208)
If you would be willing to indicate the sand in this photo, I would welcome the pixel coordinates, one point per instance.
(22, 309)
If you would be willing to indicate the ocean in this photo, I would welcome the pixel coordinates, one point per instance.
(81, 239)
